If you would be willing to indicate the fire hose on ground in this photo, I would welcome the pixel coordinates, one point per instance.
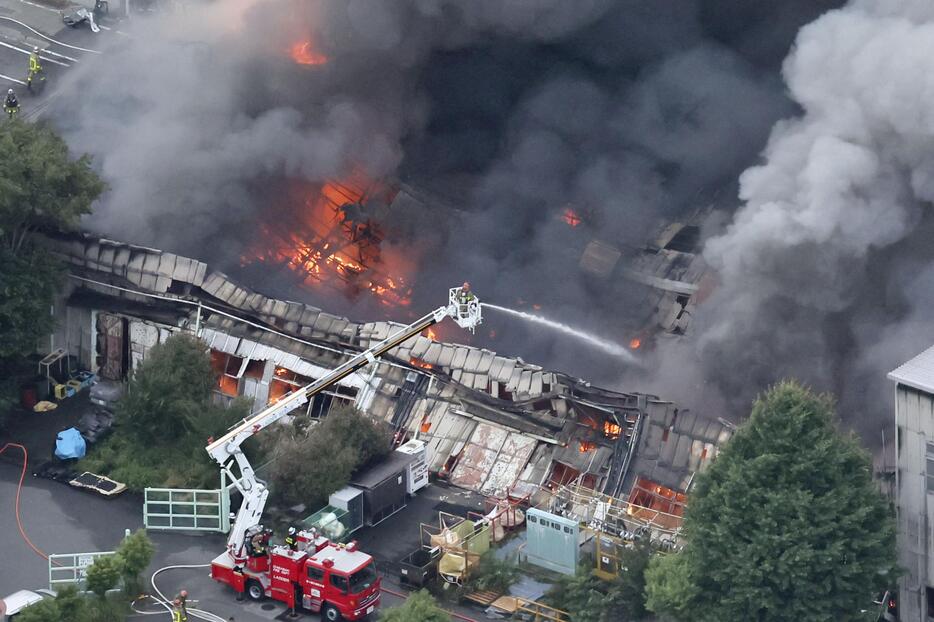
(161, 600)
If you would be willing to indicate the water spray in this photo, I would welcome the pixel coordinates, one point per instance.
(606, 346)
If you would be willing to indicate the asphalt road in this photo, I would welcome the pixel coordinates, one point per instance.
(61, 519)
(25, 24)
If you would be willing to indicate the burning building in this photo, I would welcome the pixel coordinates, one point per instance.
(494, 424)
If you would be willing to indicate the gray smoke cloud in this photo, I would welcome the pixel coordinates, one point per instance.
(631, 113)
(825, 270)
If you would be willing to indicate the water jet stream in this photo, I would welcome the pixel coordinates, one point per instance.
(606, 346)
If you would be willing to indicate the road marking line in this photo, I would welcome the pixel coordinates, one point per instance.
(26, 52)
(12, 79)
(48, 38)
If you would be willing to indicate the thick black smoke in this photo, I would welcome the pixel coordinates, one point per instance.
(826, 270)
(507, 113)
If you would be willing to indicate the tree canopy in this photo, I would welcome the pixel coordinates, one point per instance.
(41, 188)
(419, 606)
(169, 391)
(312, 461)
(164, 421)
(104, 574)
(135, 553)
(41, 185)
(786, 524)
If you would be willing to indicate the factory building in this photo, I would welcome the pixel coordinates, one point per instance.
(914, 487)
(493, 424)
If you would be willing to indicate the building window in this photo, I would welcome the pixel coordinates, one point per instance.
(929, 592)
(930, 466)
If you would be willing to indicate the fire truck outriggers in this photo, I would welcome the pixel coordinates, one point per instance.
(335, 579)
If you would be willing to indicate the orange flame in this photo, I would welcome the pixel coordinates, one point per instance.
(635, 343)
(571, 217)
(611, 430)
(304, 54)
(431, 334)
(420, 363)
(586, 446)
(334, 239)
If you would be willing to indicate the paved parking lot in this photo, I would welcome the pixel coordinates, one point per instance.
(61, 519)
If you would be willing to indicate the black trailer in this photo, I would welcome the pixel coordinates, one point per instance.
(419, 567)
(383, 487)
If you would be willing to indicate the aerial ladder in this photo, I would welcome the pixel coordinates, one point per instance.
(463, 307)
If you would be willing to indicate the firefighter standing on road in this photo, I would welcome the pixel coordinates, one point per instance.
(11, 104)
(35, 67)
(178, 612)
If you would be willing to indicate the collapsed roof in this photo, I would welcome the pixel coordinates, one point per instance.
(494, 424)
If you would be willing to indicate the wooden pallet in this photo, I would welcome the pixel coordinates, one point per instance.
(482, 598)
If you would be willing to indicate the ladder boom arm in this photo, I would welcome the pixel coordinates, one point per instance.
(463, 307)
(226, 446)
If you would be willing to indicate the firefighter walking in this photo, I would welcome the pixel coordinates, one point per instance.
(178, 611)
(35, 69)
(11, 104)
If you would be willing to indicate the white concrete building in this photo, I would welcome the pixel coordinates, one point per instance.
(914, 487)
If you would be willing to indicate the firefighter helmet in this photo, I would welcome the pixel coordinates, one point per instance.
(291, 531)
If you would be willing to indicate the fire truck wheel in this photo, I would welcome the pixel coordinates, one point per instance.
(330, 613)
(255, 590)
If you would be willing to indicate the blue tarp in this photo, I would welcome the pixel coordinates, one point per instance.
(69, 444)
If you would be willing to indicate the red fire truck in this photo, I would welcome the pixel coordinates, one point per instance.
(337, 580)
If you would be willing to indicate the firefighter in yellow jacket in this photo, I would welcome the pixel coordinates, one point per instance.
(35, 67)
(178, 611)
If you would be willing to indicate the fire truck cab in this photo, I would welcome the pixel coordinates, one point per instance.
(320, 576)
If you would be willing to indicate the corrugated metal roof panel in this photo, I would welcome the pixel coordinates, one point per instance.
(434, 353)
(513, 380)
(917, 373)
(525, 382)
(478, 457)
(447, 355)
(420, 346)
(509, 463)
(472, 364)
(536, 387)
(212, 283)
(486, 361)
(507, 371)
(106, 258)
(167, 265)
(460, 356)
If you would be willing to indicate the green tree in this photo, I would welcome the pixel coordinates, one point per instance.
(41, 186)
(419, 606)
(627, 591)
(312, 461)
(104, 574)
(669, 588)
(582, 595)
(165, 420)
(28, 282)
(135, 554)
(41, 189)
(169, 391)
(43, 611)
(494, 574)
(72, 605)
(786, 524)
